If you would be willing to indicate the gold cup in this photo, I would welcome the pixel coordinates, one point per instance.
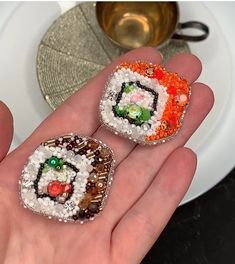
(136, 24)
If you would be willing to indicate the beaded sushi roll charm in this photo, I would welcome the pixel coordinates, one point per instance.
(67, 178)
(144, 102)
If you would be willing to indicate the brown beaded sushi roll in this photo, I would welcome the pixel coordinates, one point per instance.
(67, 178)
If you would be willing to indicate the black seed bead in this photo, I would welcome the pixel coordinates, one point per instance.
(81, 214)
(86, 147)
(94, 163)
(75, 217)
(96, 158)
(66, 140)
(57, 142)
(88, 216)
(74, 144)
(97, 152)
(69, 147)
(93, 208)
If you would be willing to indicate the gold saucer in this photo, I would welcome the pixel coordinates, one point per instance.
(75, 49)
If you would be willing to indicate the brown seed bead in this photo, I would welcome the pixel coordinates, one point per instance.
(149, 71)
(92, 145)
(93, 190)
(81, 152)
(164, 125)
(93, 207)
(100, 185)
(104, 153)
(85, 201)
(100, 167)
(93, 177)
(65, 195)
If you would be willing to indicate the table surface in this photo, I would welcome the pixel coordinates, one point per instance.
(200, 232)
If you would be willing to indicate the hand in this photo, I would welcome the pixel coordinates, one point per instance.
(149, 182)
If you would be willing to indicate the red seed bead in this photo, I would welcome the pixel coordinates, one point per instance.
(54, 188)
(172, 121)
(171, 90)
(67, 188)
(158, 74)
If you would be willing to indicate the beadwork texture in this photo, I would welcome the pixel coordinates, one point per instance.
(144, 102)
(67, 178)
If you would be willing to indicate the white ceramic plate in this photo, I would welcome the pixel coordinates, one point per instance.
(22, 26)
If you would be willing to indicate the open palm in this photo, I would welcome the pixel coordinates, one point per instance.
(149, 182)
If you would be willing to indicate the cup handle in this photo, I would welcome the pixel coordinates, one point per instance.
(192, 24)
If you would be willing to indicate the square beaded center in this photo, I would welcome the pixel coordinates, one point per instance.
(136, 103)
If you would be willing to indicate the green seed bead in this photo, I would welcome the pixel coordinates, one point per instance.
(46, 168)
(53, 162)
(145, 115)
(138, 121)
(134, 111)
(120, 112)
(128, 88)
(58, 168)
(61, 163)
